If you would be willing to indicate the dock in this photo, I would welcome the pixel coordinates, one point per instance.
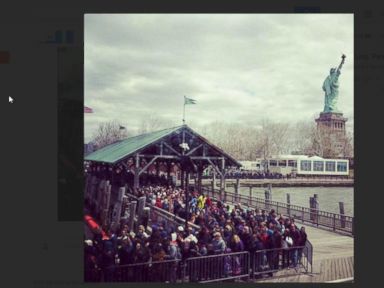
(292, 182)
(333, 260)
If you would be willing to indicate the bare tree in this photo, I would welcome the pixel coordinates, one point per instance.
(303, 134)
(108, 133)
(253, 141)
(154, 122)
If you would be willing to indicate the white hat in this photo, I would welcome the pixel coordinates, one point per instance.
(88, 242)
(192, 238)
(180, 228)
(289, 240)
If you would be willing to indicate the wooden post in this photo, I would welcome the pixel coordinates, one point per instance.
(289, 205)
(237, 188)
(132, 214)
(136, 180)
(140, 209)
(100, 195)
(250, 195)
(200, 178)
(157, 168)
(268, 197)
(182, 176)
(316, 207)
(105, 204)
(186, 201)
(342, 214)
(222, 181)
(93, 193)
(311, 208)
(334, 222)
(145, 217)
(169, 167)
(118, 205)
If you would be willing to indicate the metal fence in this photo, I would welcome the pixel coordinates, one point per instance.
(217, 267)
(158, 271)
(319, 218)
(308, 254)
(270, 261)
(160, 215)
(205, 269)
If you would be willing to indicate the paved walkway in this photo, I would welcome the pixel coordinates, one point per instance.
(332, 256)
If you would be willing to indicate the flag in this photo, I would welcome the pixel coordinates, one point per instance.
(88, 110)
(189, 101)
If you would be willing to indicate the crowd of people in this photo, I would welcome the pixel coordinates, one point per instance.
(236, 173)
(223, 229)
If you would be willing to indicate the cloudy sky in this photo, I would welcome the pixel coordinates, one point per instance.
(238, 67)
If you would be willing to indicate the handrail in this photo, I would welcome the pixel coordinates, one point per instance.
(165, 213)
(204, 269)
(320, 218)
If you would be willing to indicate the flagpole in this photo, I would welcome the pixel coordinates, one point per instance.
(184, 112)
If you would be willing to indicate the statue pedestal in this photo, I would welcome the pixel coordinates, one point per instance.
(327, 116)
(331, 128)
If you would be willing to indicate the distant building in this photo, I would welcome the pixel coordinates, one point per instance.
(251, 165)
(307, 165)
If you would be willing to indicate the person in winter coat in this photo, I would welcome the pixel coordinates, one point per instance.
(303, 240)
(286, 244)
(296, 237)
(236, 244)
(218, 243)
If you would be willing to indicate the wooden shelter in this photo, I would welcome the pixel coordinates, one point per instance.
(172, 146)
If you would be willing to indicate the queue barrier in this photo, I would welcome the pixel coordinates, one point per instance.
(205, 269)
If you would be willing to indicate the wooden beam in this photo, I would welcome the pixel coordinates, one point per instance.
(148, 164)
(159, 156)
(214, 167)
(125, 165)
(194, 149)
(190, 134)
(171, 148)
(206, 158)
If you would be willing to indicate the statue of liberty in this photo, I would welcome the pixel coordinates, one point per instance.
(331, 88)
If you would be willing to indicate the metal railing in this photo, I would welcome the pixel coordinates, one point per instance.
(156, 271)
(270, 261)
(205, 269)
(217, 268)
(319, 218)
(160, 215)
(308, 253)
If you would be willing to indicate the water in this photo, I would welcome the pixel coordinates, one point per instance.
(328, 197)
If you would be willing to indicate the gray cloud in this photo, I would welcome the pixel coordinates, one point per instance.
(239, 67)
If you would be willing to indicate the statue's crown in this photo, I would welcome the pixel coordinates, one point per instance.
(333, 70)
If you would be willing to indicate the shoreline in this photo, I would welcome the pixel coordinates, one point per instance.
(285, 182)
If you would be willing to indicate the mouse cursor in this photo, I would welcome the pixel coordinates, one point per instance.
(10, 99)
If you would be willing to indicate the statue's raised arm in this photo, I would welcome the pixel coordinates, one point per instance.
(341, 63)
(331, 88)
